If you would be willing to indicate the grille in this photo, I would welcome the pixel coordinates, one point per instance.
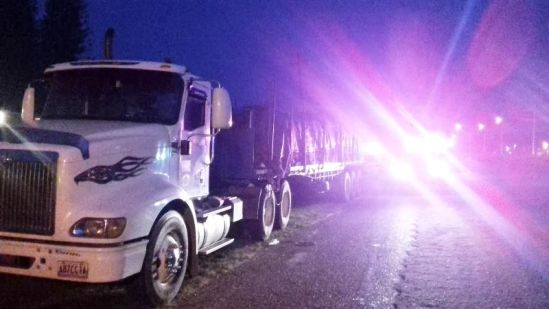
(27, 191)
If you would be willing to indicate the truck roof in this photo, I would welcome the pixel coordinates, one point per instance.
(126, 64)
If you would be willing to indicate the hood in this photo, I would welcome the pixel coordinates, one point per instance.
(91, 138)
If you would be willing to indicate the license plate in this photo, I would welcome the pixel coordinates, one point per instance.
(70, 269)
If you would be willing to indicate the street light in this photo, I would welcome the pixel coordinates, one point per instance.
(498, 120)
(481, 126)
(458, 127)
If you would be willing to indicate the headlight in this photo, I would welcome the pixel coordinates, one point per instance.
(439, 169)
(99, 227)
(402, 171)
(3, 118)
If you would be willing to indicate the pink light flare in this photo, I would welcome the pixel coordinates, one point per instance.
(502, 41)
(345, 83)
(506, 217)
(414, 55)
(347, 77)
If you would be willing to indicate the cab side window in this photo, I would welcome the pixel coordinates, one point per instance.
(195, 110)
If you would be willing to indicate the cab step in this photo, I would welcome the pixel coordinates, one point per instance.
(216, 246)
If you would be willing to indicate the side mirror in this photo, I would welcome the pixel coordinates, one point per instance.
(27, 113)
(222, 116)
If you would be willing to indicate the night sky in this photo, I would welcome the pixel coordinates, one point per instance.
(452, 59)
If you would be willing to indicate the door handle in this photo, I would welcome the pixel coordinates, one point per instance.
(184, 147)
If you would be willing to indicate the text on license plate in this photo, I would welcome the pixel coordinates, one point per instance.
(72, 269)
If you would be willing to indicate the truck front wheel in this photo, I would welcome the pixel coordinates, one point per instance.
(263, 226)
(165, 262)
(284, 206)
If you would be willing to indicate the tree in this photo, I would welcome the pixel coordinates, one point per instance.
(17, 38)
(64, 31)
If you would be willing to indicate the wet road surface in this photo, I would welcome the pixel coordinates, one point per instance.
(388, 252)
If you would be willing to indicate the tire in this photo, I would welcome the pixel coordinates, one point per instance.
(355, 185)
(284, 206)
(344, 187)
(165, 263)
(263, 226)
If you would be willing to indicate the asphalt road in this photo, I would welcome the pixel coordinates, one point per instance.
(486, 247)
(394, 251)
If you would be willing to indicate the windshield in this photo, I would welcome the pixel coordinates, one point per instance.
(114, 94)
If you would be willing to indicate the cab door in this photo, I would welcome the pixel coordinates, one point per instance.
(196, 155)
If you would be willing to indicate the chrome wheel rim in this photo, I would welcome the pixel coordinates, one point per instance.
(168, 257)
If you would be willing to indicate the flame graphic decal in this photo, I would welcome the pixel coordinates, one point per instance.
(123, 169)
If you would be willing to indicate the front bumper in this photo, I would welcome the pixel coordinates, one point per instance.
(72, 262)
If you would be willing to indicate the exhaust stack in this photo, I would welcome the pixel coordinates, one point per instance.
(107, 45)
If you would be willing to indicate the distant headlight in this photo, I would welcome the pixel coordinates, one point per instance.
(3, 118)
(372, 148)
(99, 227)
(402, 171)
(440, 169)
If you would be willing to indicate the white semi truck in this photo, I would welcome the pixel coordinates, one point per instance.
(108, 178)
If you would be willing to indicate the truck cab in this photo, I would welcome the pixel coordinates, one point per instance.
(108, 176)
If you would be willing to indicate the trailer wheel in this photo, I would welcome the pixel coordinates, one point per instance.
(344, 187)
(355, 180)
(284, 206)
(263, 226)
(359, 184)
(165, 262)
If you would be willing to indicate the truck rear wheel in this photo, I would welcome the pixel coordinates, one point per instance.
(263, 226)
(284, 206)
(165, 262)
